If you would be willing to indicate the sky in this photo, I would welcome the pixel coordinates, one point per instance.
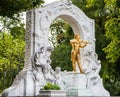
(49, 1)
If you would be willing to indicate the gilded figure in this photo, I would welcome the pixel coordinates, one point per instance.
(77, 43)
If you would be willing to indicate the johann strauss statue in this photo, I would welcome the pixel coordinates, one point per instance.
(77, 43)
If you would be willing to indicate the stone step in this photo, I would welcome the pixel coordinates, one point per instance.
(78, 92)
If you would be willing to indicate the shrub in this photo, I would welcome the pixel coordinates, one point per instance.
(50, 86)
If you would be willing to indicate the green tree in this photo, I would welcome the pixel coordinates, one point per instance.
(12, 42)
(11, 58)
(112, 26)
(57, 32)
(62, 48)
(10, 7)
(61, 57)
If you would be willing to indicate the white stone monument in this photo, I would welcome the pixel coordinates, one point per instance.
(37, 70)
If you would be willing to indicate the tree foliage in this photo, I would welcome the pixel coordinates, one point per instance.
(11, 58)
(62, 34)
(61, 57)
(12, 44)
(112, 26)
(10, 7)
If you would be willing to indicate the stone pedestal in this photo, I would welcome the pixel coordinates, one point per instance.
(75, 80)
(78, 92)
(75, 84)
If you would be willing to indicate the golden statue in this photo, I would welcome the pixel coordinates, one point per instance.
(75, 53)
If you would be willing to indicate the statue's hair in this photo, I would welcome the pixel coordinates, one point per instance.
(76, 35)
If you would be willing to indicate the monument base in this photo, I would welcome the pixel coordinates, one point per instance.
(75, 84)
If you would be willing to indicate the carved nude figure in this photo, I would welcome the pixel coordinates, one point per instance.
(77, 43)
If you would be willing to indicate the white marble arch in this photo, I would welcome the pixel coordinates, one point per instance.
(79, 22)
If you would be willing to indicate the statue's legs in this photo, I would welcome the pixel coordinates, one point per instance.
(79, 64)
(73, 59)
(74, 65)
